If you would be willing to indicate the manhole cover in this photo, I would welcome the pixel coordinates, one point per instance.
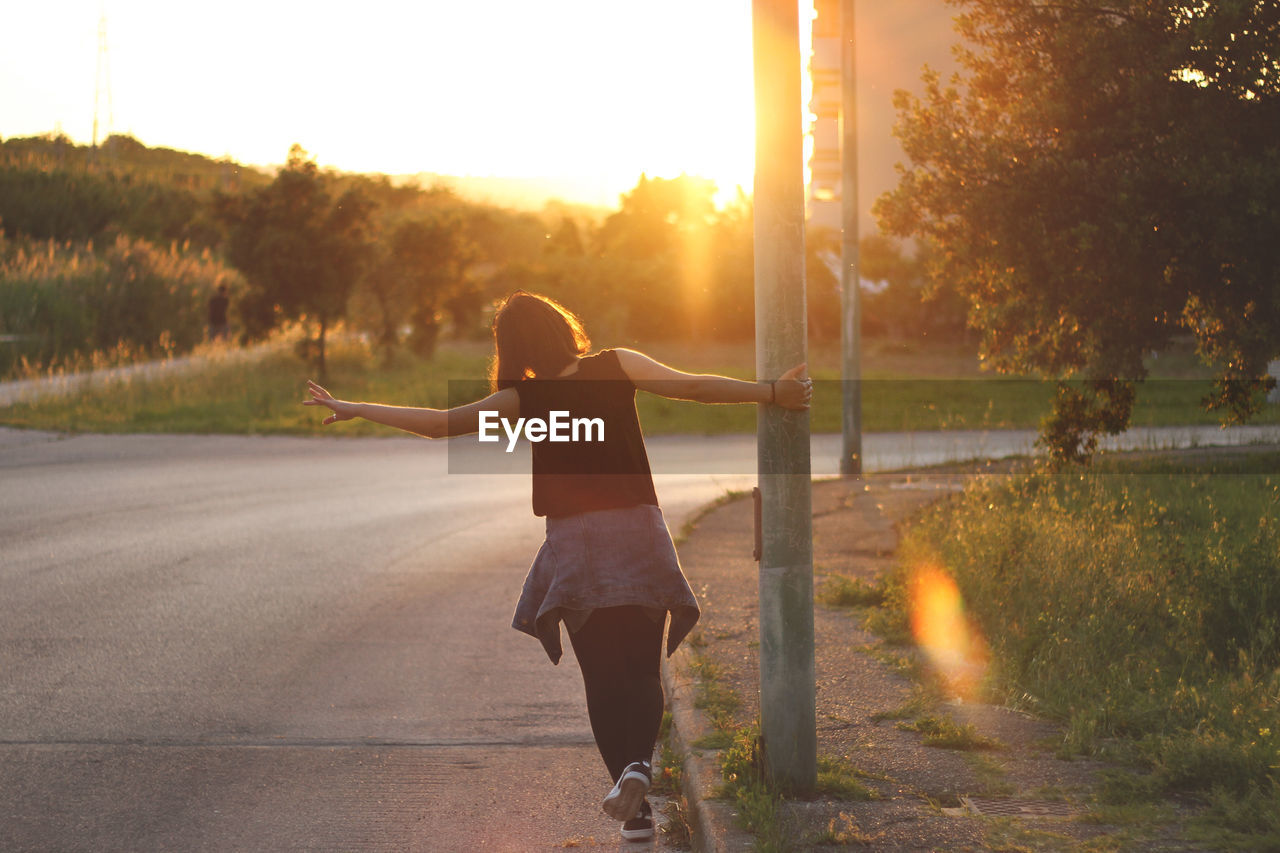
(989, 807)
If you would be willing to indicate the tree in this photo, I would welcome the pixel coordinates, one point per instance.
(1097, 179)
(382, 302)
(301, 249)
(660, 241)
(427, 260)
(906, 303)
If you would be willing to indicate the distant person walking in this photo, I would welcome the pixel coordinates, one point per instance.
(219, 328)
(608, 568)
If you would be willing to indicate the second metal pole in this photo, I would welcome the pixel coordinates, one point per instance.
(850, 287)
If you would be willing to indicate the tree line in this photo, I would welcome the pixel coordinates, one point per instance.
(668, 264)
(404, 264)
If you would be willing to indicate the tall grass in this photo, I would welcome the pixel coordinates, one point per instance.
(223, 391)
(1139, 602)
(62, 302)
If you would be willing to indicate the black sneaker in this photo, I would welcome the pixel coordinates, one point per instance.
(623, 802)
(640, 827)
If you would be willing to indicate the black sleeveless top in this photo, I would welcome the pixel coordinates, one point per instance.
(573, 477)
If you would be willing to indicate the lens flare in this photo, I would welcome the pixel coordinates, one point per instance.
(952, 643)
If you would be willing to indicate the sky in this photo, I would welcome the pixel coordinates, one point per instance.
(585, 93)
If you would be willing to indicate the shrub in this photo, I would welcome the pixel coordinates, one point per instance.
(1135, 603)
(63, 301)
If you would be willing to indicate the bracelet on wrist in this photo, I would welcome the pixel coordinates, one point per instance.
(773, 392)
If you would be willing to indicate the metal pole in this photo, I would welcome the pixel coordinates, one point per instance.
(850, 290)
(787, 694)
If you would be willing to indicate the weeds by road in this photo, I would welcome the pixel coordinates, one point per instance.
(1139, 604)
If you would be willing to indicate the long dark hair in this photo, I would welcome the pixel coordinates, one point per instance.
(533, 336)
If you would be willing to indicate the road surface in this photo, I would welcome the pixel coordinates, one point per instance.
(228, 643)
(236, 643)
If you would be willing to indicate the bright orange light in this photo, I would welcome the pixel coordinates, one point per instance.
(953, 645)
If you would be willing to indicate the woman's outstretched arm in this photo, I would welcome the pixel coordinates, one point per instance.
(791, 390)
(432, 423)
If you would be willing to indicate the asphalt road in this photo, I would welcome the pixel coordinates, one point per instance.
(231, 643)
(221, 643)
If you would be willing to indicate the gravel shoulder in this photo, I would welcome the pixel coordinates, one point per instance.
(1017, 795)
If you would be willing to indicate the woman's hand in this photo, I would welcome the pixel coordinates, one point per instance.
(342, 410)
(793, 389)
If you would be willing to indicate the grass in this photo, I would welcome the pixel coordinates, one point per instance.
(1009, 835)
(1139, 603)
(992, 776)
(921, 700)
(843, 831)
(668, 781)
(712, 697)
(62, 301)
(839, 779)
(669, 774)
(259, 397)
(844, 591)
(719, 739)
(756, 802)
(743, 783)
(729, 496)
(921, 389)
(946, 733)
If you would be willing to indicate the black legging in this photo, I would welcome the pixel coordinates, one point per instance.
(620, 651)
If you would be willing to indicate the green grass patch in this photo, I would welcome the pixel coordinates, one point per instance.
(946, 733)
(1011, 835)
(712, 697)
(922, 699)
(668, 781)
(992, 777)
(719, 739)
(1235, 821)
(915, 403)
(913, 392)
(844, 591)
(668, 775)
(250, 396)
(756, 803)
(728, 497)
(839, 779)
(1139, 603)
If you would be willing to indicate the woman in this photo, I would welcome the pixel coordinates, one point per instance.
(608, 568)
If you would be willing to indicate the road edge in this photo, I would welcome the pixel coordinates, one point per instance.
(713, 823)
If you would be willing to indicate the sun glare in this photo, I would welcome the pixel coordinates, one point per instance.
(953, 645)
(580, 92)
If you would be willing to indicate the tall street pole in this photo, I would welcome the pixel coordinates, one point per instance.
(850, 290)
(787, 694)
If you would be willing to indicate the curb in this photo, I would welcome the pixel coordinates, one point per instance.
(714, 827)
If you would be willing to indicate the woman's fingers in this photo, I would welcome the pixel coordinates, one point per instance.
(793, 389)
(321, 397)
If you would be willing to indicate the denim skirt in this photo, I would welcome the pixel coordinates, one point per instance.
(605, 558)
